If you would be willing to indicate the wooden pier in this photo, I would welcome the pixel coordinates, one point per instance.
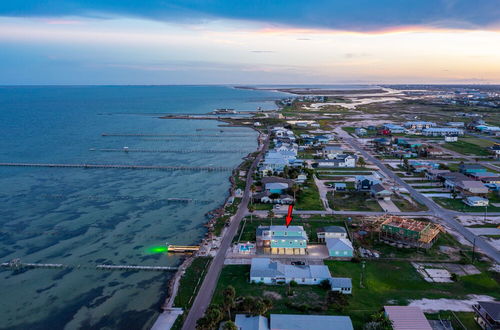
(176, 135)
(121, 166)
(179, 151)
(17, 264)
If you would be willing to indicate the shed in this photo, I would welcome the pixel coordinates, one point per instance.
(407, 318)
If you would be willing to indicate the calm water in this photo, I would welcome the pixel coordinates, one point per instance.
(92, 216)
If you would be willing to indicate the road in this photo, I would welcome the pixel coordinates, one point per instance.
(446, 215)
(204, 297)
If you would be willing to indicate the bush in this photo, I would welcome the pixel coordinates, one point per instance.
(293, 284)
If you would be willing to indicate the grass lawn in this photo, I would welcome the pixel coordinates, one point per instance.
(349, 130)
(478, 141)
(310, 225)
(464, 318)
(406, 206)
(396, 282)
(190, 282)
(458, 205)
(432, 254)
(466, 148)
(353, 201)
(308, 197)
(376, 284)
(260, 206)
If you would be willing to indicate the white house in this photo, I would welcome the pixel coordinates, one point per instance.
(332, 152)
(450, 138)
(442, 131)
(267, 271)
(264, 270)
(340, 161)
(331, 232)
(476, 201)
(419, 125)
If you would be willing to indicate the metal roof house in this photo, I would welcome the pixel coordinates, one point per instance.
(331, 232)
(310, 322)
(282, 239)
(248, 322)
(264, 270)
(487, 314)
(407, 318)
(339, 248)
(293, 322)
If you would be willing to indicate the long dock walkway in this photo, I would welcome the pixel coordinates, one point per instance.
(17, 264)
(176, 135)
(179, 151)
(123, 166)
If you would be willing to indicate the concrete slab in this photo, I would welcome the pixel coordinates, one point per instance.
(389, 205)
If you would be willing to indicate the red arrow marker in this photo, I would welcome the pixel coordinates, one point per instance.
(289, 215)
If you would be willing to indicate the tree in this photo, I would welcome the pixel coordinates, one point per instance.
(247, 304)
(406, 164)
(270, 214)
(229, 325)
(454, 194)
(253, 189)
(251, 209)
(228, 301)
(295, 188)
(325, 285)
(337, 301)
(361, 162)
(379, 321)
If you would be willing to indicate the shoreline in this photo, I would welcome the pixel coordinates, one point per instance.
(173, 284)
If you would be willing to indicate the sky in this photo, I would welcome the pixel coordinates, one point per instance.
(80, 42)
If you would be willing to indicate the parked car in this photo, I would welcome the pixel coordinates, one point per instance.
(298, 263)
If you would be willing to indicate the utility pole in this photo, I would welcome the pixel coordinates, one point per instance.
(473, 249)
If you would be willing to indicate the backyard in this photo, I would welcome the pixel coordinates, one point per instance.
(458, 205)
(352, 201)
(375, 284)
(310, 225)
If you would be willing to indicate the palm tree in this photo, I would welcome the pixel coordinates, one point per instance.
(270, 215)
(229, 325)
(251, 209)
(295, 189)
(253, 189)
(229, 294)
(361, 162)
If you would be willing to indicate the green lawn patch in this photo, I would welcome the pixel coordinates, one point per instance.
(191, 282)
(352, 201)
(263, 206)
(466, 148)
(457, 319)
(405, 206)
(458, 205)
(308, 197)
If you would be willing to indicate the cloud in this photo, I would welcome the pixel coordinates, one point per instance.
(351, 15)
(262, 51)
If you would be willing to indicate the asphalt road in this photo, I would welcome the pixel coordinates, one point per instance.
(446, 215)
(204, 297)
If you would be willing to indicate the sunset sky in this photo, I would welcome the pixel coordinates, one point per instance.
(249, 42)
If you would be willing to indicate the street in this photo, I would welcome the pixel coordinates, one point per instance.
(204, 296)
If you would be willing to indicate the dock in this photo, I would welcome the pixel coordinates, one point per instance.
(182, 248)
(179, 151)
(17, 264)
(122, 166)
(176, 135)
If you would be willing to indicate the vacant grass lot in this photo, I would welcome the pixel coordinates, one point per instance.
(465, 318)
(458, 205)
(353, 201)
(406, 206)
(376, 284)
(466, 148)
(308, 197)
